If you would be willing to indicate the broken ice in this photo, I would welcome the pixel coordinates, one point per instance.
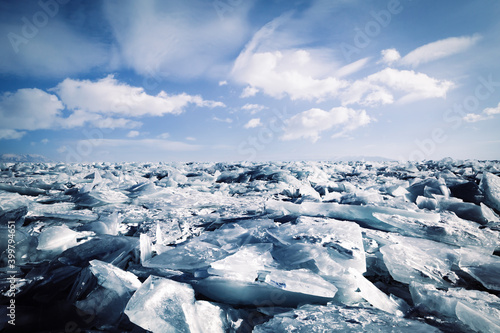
(263, 247)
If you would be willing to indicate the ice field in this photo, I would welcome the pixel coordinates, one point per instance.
(251, 247)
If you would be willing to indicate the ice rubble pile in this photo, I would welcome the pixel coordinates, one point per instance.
(274, 247)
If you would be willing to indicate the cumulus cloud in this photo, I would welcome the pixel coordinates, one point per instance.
(252, 123)
(108, 95)
(29, 109)
(311, 74)
(133, 134)
(105, 103)
(389, 56)
(381, 88)
(488, 113)
(309, 124)
(249, 92)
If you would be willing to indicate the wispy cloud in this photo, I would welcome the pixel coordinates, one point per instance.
(222, 120)
(9, 134)
(253, 108)
(58, 48)
(430, 52)
(181, 39)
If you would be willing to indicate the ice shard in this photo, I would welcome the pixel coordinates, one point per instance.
(161, 305)
(490, 184)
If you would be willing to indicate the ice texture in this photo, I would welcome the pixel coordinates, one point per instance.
(242, 247)
(333, 318)
(478, 310)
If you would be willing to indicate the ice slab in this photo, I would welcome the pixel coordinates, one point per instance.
(112, 277)
(245, 263)
(490, 184)
(340, 240)
(60, 238)
(376, 297)
(192, 255)
(363, 214)
(421, 260)
(162, 305)
(108, 300)
(333, 318)
(483, 268)
(479, 310)
(272, 288)
(116, 249)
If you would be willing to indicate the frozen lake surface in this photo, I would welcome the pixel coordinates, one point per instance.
(263, 247)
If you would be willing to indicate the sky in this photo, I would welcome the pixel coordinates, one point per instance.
(243, 80)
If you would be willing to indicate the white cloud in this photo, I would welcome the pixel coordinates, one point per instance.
(253, 108)
(81, 118)
(223, 120)
(312, 74)
(252, 123)
(29, 109)
(163, 135)
(352, 67)
(44, 141)
(474, 117)
(190, 138)
(309, 124)
(487, 113)
(95, 103)
(389, 56)
(9, 134)
(439, 49)
(380, 88)
(492, 111)
(249, 92)
(222, 83)
(133, 134)
(107, 95)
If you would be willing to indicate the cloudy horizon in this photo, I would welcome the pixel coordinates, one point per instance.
(249, 80)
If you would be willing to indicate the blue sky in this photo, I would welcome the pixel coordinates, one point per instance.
(234, 80)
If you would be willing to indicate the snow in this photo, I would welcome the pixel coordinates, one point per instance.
(263, 247)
